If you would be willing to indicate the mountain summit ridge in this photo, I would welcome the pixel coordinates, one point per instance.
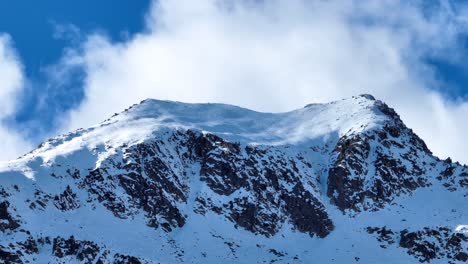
(173, 182)
(241, 124)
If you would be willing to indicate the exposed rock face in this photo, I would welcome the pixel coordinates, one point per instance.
(371, 168)
(66, 201)
(426, 244)
(271, 188)
(64, 250)
(262, 190)
(231, 187)
(7, 223)
(83, 250)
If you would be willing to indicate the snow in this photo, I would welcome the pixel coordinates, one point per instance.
(310, 132)
(318, 123)
(461, 229)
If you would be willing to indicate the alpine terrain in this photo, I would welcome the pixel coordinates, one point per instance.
(170, 182)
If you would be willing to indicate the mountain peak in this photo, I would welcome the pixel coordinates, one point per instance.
(315, 124)
(245, 125)
(174, 182)
(368, 96)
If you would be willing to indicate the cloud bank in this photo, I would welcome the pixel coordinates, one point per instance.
(12, 144)
(280, 55)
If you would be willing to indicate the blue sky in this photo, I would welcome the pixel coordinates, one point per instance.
(31, 24)
(81, 61)
(33, 27)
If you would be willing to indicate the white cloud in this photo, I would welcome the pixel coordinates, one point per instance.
(11, 82)
(279, 55)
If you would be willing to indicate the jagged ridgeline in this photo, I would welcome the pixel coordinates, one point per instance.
(169, 182)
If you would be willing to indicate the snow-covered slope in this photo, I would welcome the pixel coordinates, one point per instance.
(169, 182)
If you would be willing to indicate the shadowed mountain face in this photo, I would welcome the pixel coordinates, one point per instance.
(168, 182)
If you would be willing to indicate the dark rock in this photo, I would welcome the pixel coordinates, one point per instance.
(67, 200)
(349, 182)
(83, 250)
(368, 96)
(307, 214)
(9, 257)
(125, 259)
(426, 244)
(7, 222)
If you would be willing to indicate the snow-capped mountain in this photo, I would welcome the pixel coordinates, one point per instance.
(169, 182)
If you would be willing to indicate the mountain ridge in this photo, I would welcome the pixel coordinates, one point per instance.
(149, 108)
(326, 177)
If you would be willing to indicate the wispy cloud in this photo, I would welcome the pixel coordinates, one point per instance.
(12, 81)
(67, 32)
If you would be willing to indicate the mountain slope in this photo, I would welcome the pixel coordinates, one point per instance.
(169, 182)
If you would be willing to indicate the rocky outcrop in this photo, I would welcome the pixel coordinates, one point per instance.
(372, 168)
(64, 250)
(67, 200)
(271, 190)
(7, 222)
(85, 251)
(426, 244)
